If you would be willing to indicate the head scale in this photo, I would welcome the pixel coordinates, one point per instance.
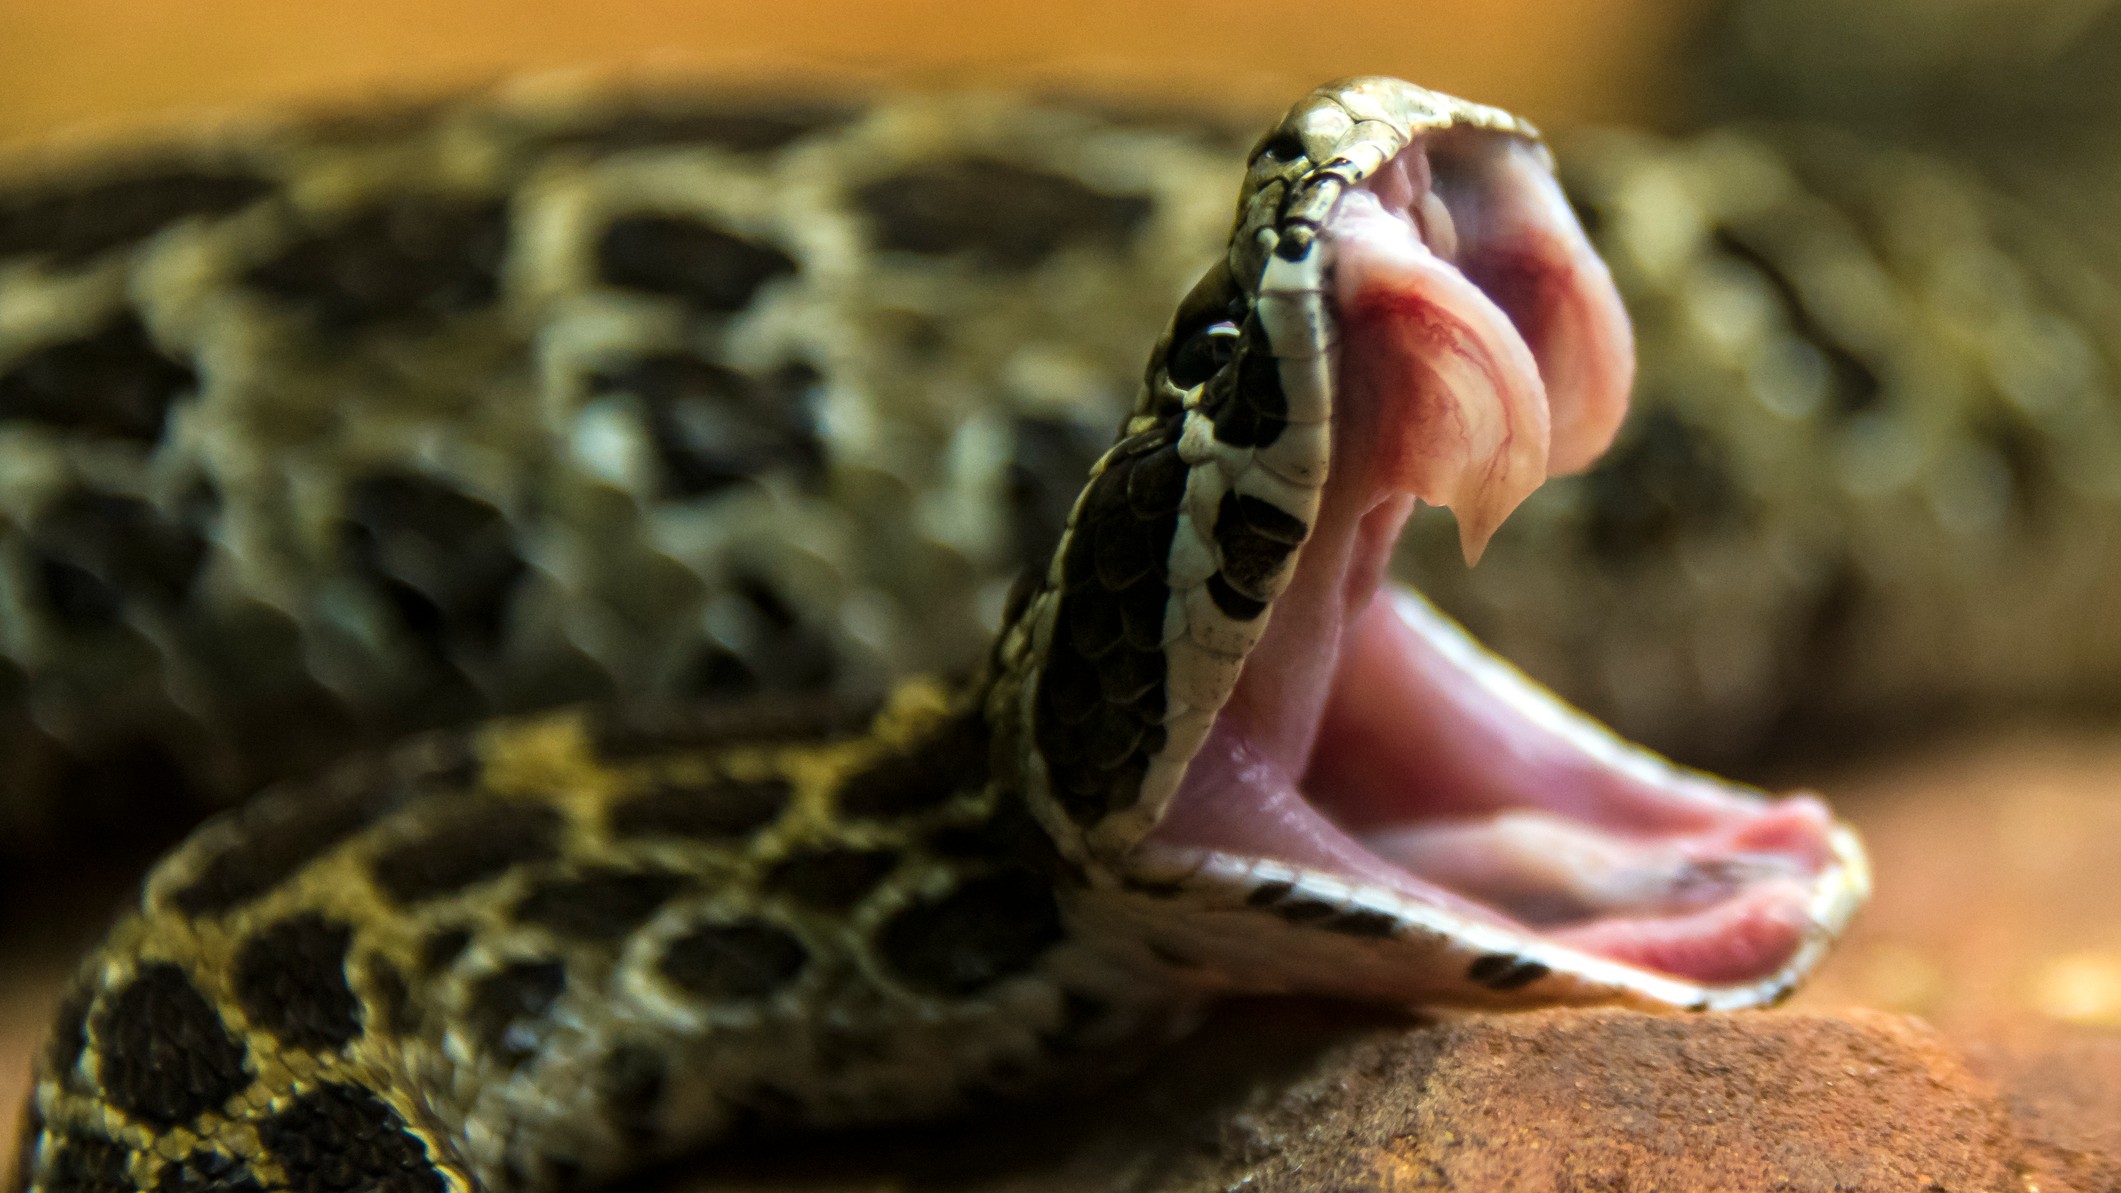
(1118, 662)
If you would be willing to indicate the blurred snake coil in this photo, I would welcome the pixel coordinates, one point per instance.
(718, 417)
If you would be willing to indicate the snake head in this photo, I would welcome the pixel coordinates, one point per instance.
(1277, 771)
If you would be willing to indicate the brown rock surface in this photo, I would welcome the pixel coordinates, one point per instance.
(1998, 917)
(1297, 1098)
(1607, 1100)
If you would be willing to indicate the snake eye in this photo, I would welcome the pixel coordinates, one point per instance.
(1281, 147)
(1202, 354)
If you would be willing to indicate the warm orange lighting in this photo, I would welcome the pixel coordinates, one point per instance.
(124, 62)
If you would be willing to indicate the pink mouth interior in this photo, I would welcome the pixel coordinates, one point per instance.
(1481, 347)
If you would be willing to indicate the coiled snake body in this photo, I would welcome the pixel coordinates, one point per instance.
(551, 947)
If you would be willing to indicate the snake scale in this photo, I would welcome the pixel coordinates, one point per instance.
(329, 431)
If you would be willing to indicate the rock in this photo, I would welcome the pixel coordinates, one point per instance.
(2062, 1085)
(1611, 1101)
(1314, 1098)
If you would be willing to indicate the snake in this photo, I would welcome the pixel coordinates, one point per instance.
(1207, 749)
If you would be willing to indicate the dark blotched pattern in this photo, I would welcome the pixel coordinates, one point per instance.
(114, 381)
(68, 221)
(290, 979)
(986, 930)
(1002, 214)
(413, 259)
(166, 1056)
(1100, 709)
(343, 1139)
(683, 258)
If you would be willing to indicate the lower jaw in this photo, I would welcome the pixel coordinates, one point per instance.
(1447, 784)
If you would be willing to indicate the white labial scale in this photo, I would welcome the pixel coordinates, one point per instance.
(1192, 558)
(1201, 676)
(1205, 487)
(1296, 321)
(1300, 344)
(1183, 735)
(1210, 630)
(1300, 456)
(1296, 499)
(1196, 440)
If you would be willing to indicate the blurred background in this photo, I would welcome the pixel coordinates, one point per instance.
(124, 63)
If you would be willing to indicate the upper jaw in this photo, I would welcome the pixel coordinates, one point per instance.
(1374, 756)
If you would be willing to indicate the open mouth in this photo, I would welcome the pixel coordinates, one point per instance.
(1369, 742)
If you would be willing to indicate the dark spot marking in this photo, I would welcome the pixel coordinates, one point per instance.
(505, 1007)
(986, 930)
(632, 1080)
(1854, 387)
(1305, 911)
(687, 259)
(442, 948)
(1009, 831)
(166, 1056)
(1505, 971)
(830, 879)
(1255, 537)
(922, 775)
(1233, 604)
(1375, 925)
(601, 904)
(745, 129)
(1664, 482)
(714, 427)
(416, 258)
(1005, 215)
(205, 1171)
(291, 980)
(466, 843)
(275, 837)
(343, 1139)
(72, 220)
(1297, 237)
(1267, 894)
(718, 810)
(113, 382)
(445, 561)
(745, 960)
(88, 1164)
(95, 553)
